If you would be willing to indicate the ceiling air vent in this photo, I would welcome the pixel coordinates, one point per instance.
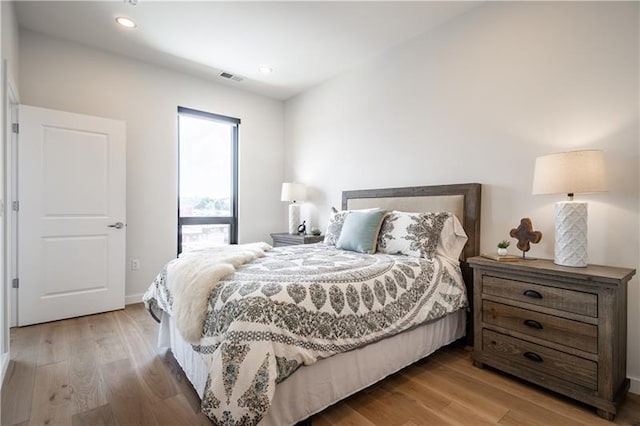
(230, 76)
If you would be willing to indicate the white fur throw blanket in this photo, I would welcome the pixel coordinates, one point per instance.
(191, 278)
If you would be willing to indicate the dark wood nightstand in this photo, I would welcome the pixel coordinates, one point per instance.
(281, 239)
(562, 328)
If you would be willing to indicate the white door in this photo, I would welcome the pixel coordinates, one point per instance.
(71, 234)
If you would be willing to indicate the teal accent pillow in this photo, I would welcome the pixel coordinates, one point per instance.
(360, 231)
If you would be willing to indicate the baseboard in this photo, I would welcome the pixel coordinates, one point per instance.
(635, 385)
(133, 298)
(5, 359)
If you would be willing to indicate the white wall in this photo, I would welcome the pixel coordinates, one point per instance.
(10, 38)
(476, 101)
(67, 76)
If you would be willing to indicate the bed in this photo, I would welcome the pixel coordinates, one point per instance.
(310, 387)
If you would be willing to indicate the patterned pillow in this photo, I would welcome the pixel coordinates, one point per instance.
(412, 234)
(334, 227)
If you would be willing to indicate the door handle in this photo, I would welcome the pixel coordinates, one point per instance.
(117, 225)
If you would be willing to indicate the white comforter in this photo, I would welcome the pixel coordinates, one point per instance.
(296, 305)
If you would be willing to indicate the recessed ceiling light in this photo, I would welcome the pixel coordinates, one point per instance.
(125, 22)
(265, 69)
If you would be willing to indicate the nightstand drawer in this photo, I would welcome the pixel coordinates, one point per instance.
(552, 297)
(548, 361)
(548, 327)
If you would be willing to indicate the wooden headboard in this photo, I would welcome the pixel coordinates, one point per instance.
(463, 200)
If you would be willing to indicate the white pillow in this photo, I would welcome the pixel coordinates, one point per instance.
(425, 235)
(452, 239)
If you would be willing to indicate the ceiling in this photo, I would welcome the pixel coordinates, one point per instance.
(304, 42)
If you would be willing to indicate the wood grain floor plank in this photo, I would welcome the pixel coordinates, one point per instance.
(461, 415)
(25, 341)
(444, 389)
(17, 391)
(148, 328)
(125, 395)
(109, 344)
(342, 414)
(516, 418)
(180, 380)
(174, 411)
(385, 408)
(155, 380)
(52, 395)
(84, 376)
(56, 415)
(99, 416)
(202, 420)
(78, 329)
(629, 412)
(53, 344)
(417, 391)
(506, 399)
(431, 377)
(560, 405)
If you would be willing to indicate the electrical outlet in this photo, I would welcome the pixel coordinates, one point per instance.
(135, 264)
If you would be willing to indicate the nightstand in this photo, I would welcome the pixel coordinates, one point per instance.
(281, 239)
(562, 328)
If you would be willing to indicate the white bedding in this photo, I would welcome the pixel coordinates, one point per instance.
(295, 306)
(313, 388)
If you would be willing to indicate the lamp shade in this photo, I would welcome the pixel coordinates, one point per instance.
(569, 173)
(293, 192)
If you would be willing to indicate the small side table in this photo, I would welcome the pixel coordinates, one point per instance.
(281, 239)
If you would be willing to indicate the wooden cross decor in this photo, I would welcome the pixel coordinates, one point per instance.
(525, 235)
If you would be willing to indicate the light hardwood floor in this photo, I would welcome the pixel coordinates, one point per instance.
(104, 369)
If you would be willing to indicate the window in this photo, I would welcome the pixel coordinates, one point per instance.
(207, 179)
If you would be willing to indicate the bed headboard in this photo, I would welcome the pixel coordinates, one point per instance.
(463, 200)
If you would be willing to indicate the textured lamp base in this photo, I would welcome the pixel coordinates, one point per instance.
(294, 218)
(571, 234)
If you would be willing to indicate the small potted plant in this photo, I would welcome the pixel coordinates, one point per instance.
(502, 247)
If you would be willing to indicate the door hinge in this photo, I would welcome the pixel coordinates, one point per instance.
(15, 283)
(15, 206)
(15, 127)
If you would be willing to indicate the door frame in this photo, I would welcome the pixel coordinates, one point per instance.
(8, 297)
(11, 195)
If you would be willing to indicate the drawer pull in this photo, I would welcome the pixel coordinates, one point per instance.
(533, 294)
(533, 324)
(533, 356)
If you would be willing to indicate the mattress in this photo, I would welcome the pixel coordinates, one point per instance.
(313, 388)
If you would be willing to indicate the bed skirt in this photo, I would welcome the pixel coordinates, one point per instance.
(313, 388)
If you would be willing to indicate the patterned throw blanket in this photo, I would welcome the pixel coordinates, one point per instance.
(299, 304)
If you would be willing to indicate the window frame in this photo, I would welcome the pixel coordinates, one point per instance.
(231, 220)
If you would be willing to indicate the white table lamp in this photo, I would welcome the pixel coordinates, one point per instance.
(570, 173)
(293, 192)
